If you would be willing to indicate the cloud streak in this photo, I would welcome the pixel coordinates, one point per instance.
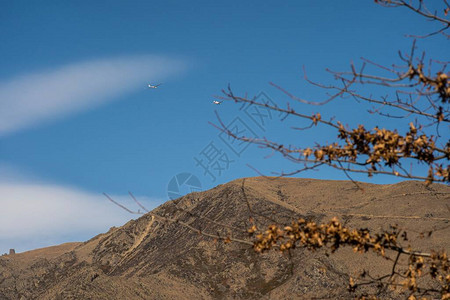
(36, 214)
(44, 96)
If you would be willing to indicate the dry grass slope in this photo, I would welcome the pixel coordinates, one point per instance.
(151, 259)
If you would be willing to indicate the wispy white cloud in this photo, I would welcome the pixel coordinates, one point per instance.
(34, 215)
(34, 98)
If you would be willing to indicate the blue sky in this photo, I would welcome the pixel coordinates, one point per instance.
(76, 117)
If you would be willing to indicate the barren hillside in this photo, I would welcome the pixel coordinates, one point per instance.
(148, 258)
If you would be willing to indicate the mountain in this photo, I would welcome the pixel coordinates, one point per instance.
(159, 257)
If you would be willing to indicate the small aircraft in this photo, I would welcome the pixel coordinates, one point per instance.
(217, 102)
(151, 86)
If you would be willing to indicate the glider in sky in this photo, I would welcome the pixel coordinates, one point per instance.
(151, 86)
(217, 102)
